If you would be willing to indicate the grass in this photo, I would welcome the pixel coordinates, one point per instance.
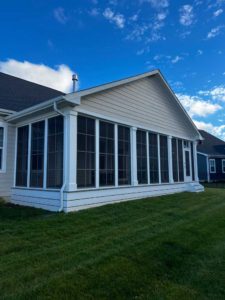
(217, 185)
(170, 247)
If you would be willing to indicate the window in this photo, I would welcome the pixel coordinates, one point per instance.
(175, 160)
(212, 165)
(142, 157)
(22, 156)
(37, 154)
(164, 159)
(106, 154)
(85, 152)
(223, 165)
(192, 161)
(153, 158)
(180, 160)
(124, 157)
(55, 152)
(1, 146)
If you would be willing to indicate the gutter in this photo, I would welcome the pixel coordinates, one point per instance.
(41, 106)
(64, 181)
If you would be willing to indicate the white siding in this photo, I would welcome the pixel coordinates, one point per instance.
(49, 200)
(146, 102)
(7, 178)
(85, 199)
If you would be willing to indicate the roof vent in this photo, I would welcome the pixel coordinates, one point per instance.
(75, 80)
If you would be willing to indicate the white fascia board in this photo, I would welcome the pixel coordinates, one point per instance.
(41, 106)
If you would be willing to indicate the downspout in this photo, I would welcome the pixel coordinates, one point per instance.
(64, 180)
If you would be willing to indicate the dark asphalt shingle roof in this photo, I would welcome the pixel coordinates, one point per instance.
(17, 94)
(211, 144)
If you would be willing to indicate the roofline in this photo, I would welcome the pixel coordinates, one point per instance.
(112, 84)
(40, 106)
(75, 98)
(6, 111)
(116, 83)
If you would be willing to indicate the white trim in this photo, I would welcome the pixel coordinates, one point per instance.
(195, 163)
(133, 144)
(29, 155)
(116, 154)
(97, 141)
(170, 159)
(210, 167)
(45, 154)
(223, 166)
(148, 160)
(202, 153)
(15, 157)
(159, 161)
(4, 147)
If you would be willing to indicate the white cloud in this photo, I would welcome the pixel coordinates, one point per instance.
(219, 131)
(200, 52)
(195, 106)
(214, 32)
(134, 17)
(176, 59)
(218, 12)
(117, 19)
(158, 3)
(161, 16)
(59, 78)
(60, 16)
(94, 12)
(186, 15)
(217, 93)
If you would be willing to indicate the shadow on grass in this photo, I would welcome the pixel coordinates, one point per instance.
(9, 211)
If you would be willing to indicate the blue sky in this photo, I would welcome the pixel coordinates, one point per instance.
(46, 41)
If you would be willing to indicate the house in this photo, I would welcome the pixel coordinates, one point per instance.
(124, 140)
(211, 158)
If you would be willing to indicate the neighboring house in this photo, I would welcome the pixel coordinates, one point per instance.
(211, 158)
(124, 140)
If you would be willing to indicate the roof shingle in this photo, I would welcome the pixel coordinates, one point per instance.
(17, 94)
(211, 145)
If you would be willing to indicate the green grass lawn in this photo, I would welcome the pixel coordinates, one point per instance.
(170, 247)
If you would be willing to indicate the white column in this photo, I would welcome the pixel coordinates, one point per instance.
(97, 153)
(159, 162)
(133, 132)
(148, 163)
(29, 156)
(170, 159)
(70, 150)
(45, 154)
(195, 160)
(116, 153)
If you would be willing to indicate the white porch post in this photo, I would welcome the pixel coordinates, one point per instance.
(170, 159)
(97, 153)
(134, 180)
(195, 160)
(70, 150)
(116, 153)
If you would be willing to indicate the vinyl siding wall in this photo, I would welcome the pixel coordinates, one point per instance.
(219, 175)
(144, 103)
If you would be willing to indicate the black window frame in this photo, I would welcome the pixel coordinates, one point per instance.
(37, 152)
(22, 156)
(164, 160)
(55, 151)
(86, 152)
(106, 154)
(142, 167)
(153, 157)
(124, 155)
